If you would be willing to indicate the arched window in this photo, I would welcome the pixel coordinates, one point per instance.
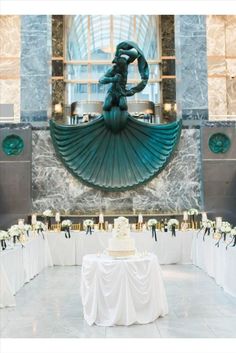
(90, 43)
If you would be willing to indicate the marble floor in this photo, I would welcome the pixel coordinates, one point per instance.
(50, 306)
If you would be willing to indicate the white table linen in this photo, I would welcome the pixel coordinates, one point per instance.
(216, 261)
(168, 249)
(19, 265)
(122, 291)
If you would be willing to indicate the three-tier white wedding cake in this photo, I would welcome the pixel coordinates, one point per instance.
(121, 244)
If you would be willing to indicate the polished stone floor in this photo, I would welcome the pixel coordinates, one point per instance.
(50, 306)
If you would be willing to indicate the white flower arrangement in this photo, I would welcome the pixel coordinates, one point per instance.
(40, 225)
(193, 211)
(66, 223)
(233, 231)
(4, 235)
(152, 222)
(172, 222)
(225, 227)
(14, 230)
(48, 213)
(208, 224)
(27, 227)
(88, 222)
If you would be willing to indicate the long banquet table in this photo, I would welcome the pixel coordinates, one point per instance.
(169, 249)
(217, 262)
(20, 264)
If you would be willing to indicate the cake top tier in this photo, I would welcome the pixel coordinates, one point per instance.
(121, 227)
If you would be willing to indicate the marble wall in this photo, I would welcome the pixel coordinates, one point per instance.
(10, 66)
(177, 187)
(191, 67)
(168, 85)
(35, 68)
(58, 85)
(221, 53)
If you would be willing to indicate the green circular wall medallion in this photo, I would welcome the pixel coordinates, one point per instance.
(219, 143)
(13, 145)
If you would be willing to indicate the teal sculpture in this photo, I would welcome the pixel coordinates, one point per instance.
(117, 152)
(219, 143)
(12, 145)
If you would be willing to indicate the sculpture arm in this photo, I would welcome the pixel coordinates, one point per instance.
(109, 77)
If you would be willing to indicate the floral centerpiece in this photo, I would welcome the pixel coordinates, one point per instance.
(66, 226)
(172, 224)
(40, 227)
(88, 224)
(152, 224)
(207, 226)
(48, 215)
(15, 232)
(225, 229)
(27, 229)
(3, 237)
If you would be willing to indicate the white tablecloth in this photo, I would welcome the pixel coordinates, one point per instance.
(217, 262)
(168, 249)
(19, 265)
(122, 292)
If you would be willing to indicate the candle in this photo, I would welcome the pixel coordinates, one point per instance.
(33, 219)
(21, 223)
(58, 108)
(185, 216)
(101, 218)
(57, 217)
(204, 217)
(218, 222)
(140, 218)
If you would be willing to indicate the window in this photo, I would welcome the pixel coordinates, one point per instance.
(90, 43)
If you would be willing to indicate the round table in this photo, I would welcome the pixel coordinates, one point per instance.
(122, 291)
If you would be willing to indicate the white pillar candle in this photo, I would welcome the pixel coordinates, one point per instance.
(140, 218)
(204, 217)
(57, 217)
(185, 216)
(33, 219)
(21, 223)
(218, 222)
(101, 218)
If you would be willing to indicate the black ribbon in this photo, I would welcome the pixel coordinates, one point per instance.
(207, 232)
(88, 230)
(154, 233)
(40, 230)
(67, 232)
(3, 244)
(218, 243)
(173, 230)
(232, 241)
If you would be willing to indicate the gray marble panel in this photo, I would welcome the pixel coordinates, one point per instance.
(191, 67)
(34, 23)
(191, 25)
(34, 93)
(177, 187)
(35, 68)
(34, 54)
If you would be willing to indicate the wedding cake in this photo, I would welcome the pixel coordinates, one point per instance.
(121, 244)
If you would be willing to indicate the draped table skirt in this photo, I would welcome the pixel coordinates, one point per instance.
(122, 291)
(19, 265)
(217, 261)
(169, 249)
